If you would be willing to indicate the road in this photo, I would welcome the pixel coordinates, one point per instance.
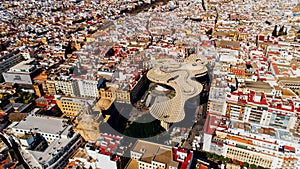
(15, 147)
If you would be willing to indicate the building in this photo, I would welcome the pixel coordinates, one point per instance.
(35, 123)
(147, 155)
(183, 156)
(9, 60)
(50, 87)
(62, 141)
(257, 129)
(262, 146)
(72, 106)
(88, 122)
(73, 87)
(22, 73)
(64, 87)
(255, 108)
(103, 153)
(88, 88)
(110, 95)
(151, 155)
(291, 83)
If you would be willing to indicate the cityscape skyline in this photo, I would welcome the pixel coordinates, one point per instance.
(150, 84)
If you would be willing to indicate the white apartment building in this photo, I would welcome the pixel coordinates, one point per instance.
(21, 73)
(50, 128)
(74, 87)
(99, 160)
(259, 131)
(8, 61)
(67, 88)
(88, 88)
(62, 140)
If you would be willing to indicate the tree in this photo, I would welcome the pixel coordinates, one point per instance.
(208, 155)
(215, 157)
(209, 32)
(285, 32)
(281, 31)
(26, 97)
(228, 160)
(245, 164)
(252, 166)
(222, 158)
(274, 33)
(259, 167)
(248, 66)
(18, 88)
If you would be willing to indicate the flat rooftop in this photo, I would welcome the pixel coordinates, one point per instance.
(58, 146)
(43, 124)
(258, 86)
(23, 67)
(155, 152)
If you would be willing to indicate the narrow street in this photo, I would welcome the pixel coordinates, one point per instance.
(15, 147)
(197, 130)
